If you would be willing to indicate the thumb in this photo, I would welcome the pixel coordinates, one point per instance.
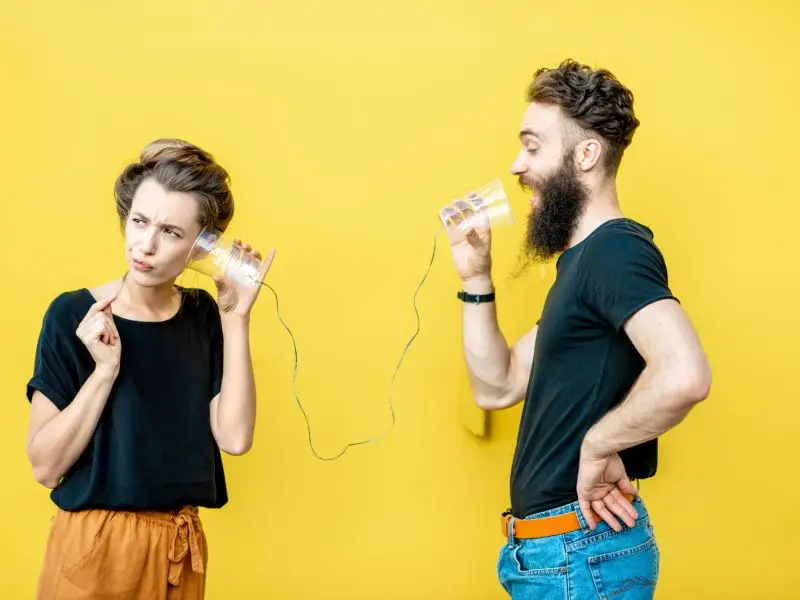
(588, 514)
(220, 283)
(107, 304)
(474, 239)
(626, 487)
(103, 303)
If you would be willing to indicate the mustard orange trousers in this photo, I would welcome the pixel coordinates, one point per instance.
(105, 555)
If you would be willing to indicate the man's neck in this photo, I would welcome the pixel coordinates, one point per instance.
(602, 206)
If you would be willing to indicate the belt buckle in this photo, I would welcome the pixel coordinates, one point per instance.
(506, 520)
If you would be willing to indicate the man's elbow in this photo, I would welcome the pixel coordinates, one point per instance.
(490, 403)
(694, 383)
(487, 404)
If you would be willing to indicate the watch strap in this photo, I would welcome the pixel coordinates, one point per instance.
(475, 298)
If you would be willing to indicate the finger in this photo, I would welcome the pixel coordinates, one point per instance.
(453, 223)
(475, 240)
(467, 212)
(268, 260)
(89, 324)
(108, 335)
(101, 321)
(615, 503)
(625, 504)
(586, 509)
(478, 203)
(95, 332)
(446, 215)
(247, 247)
(109, 321)
(626, 487)
(602, 512)
(97, 320)
(102, 304)
(256, 254)
(112, 328)
(451, 217)
(106, 310)
(220, 283)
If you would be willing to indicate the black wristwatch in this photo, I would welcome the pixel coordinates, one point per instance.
(475, 298)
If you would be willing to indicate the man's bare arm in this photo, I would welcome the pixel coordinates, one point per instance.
(498, 374)
(676, 377)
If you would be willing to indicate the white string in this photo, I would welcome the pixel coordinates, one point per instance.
(391, 385)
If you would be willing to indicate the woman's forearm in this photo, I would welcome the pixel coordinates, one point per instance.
(60, 440)
(236, 405)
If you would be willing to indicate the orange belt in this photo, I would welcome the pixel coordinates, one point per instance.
(546, 526)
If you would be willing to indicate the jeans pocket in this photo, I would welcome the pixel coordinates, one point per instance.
(539, 560)
(503, 568)
(627, 574)
(534, 569)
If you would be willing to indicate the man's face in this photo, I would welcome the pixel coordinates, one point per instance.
(546, 167)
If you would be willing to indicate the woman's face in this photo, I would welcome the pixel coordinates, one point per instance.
(161, 228)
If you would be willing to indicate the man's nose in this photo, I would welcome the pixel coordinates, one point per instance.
(518, 167)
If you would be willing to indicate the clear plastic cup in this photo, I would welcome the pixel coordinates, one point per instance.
(485, 206)
(216, 255)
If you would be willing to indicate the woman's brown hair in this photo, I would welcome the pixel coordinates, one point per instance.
(179, 167)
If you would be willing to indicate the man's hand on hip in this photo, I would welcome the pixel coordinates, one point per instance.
(602, 481)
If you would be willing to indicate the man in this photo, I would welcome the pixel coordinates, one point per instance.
(612, 363)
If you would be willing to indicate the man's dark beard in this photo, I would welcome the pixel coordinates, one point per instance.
(562, 200)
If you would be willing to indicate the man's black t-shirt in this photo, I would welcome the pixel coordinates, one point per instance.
(153, 448)
(584, 364)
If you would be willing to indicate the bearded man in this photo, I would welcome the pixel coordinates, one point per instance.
(612, 362)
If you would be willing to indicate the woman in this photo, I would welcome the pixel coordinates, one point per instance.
(138, 384)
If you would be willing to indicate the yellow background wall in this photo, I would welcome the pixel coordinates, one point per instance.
(345, 126)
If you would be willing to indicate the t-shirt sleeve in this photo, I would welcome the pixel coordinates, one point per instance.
(621, 272)
(56, 368)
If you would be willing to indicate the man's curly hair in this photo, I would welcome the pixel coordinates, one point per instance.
(595, 101)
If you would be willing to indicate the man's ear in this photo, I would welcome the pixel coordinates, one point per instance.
(588, 154)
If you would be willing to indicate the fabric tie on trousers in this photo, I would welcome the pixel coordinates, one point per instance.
(184, 541)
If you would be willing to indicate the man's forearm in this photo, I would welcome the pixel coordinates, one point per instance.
(486, 351)
(658, 401)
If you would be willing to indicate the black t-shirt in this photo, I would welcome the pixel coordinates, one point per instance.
(584, 364)
(153, 448)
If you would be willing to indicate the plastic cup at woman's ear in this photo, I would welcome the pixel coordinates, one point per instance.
(215, 255)
(486, 206)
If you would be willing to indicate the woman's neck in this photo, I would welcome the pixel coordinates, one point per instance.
(150, 303)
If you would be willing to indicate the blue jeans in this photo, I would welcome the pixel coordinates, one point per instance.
(583, 564)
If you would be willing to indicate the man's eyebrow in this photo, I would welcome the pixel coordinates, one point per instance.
(529, 132)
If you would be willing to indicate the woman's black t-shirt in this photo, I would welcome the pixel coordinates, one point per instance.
(153, 448)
